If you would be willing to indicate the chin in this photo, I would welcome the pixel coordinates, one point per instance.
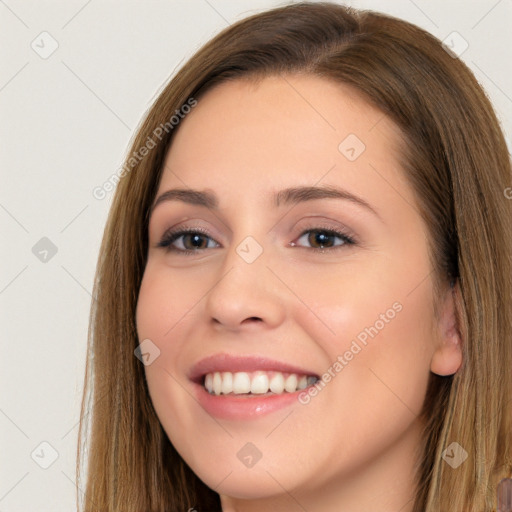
(246, 485)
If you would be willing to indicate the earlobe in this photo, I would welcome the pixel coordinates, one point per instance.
(447, 356)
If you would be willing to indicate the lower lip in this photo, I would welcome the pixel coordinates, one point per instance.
(241, 407)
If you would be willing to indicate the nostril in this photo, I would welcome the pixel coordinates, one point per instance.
(253, 319)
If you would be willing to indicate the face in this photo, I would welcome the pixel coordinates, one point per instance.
(288, 272)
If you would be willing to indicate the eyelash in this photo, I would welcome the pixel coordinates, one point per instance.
(171, 236)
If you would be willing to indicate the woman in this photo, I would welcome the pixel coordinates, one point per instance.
(309, 254)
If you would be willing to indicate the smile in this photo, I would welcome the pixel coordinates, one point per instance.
(247, 387)
(258, 382)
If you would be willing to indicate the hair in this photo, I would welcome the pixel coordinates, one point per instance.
(454, 156)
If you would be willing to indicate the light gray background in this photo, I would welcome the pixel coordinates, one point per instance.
(65, 123)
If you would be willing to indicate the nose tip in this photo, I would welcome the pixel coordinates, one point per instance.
(247, 295)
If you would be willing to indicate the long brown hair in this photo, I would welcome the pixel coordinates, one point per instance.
(455, 158)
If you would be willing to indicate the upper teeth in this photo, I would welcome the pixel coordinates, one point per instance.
(258, 382)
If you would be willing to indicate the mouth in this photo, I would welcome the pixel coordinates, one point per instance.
(247, 387)
(257, 383)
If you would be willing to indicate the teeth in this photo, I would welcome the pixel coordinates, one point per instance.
(277, 383)
(227, 382)
(290, 384)
(259, 384)
(241, 383)
(256, 383)
(208, 382)
(217, 383)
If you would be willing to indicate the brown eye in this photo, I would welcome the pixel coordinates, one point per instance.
(320, 239)
(193, 241)
(325, 239)
(187, 241)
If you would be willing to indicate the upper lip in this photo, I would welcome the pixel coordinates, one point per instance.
(232, 363)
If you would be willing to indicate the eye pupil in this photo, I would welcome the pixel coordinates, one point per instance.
(197, 240)
(320, 238)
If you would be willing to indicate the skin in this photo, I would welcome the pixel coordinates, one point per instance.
(355, 445)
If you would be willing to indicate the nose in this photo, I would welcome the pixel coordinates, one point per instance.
(245, 295)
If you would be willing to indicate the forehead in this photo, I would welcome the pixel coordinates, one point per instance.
(283, 129)
(301, 103)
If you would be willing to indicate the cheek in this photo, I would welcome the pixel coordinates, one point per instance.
(377, 348)
(376, 338)
(168, 313)
(167, 299)
(163, 309)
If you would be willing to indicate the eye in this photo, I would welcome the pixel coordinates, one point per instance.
(187, 241)
(321, 239)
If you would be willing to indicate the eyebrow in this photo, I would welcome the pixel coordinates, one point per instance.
(288, 196)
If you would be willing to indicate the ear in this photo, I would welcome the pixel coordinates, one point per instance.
(447, 356)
